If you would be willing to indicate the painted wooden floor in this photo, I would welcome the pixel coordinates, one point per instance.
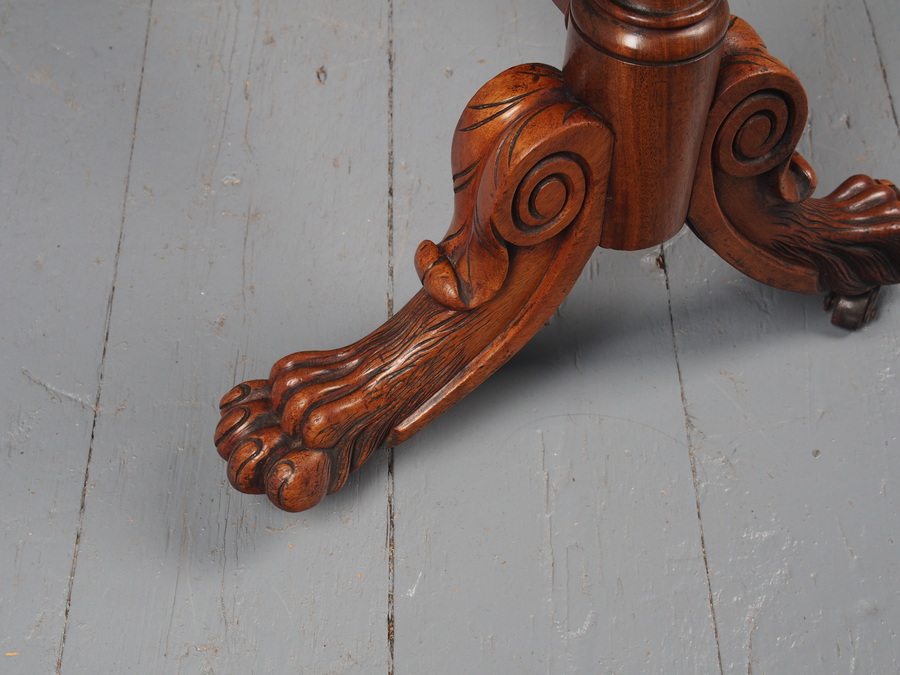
(685, 472)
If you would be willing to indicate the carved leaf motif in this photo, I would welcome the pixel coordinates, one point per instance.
(515, 179)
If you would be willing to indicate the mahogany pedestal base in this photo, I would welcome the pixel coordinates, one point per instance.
(666, 111)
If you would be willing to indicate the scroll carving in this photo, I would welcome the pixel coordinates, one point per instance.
(752, 198)
(514, 184)
(528, 214)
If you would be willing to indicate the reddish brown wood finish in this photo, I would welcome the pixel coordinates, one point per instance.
(703, 120)
(530, 171)
(648, 69)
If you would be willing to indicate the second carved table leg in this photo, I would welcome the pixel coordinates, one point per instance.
(752, 198)
(530, 171)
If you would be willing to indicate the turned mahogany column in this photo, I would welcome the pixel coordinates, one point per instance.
(648, 68)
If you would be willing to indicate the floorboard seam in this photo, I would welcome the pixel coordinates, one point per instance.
(390, 309)
(881, 63)
(390, 157)
(689, 431)
(106, 329)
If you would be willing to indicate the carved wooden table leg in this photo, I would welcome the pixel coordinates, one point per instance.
(752, 202)
(530, 167)
(705, 124)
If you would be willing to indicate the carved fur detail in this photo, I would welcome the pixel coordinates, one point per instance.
(852, 236)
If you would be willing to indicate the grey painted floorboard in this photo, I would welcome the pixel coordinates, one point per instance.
(69, 79)
(556, 522)
(515, 540)
(236, 204)
(793, 422)
(685, 471)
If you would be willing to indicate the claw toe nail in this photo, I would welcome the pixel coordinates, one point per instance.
(243, 466)
(299, 480)
(247, 464)
(242, 391)
(229, 422)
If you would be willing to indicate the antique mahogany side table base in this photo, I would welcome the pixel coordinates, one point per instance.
(665, 111)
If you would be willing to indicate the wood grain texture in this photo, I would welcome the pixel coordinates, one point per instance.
(753, 197)
(649, 69)
(557, 570)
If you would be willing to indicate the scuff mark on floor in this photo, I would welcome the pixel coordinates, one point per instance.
(56, 391)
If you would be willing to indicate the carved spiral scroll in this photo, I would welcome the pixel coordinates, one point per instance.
(760, 132)
(518, 183)
(549, 198)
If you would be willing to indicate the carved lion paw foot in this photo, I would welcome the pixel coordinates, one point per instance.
(298, 435)
(867, 201)
(851, 237)
(261, 457)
